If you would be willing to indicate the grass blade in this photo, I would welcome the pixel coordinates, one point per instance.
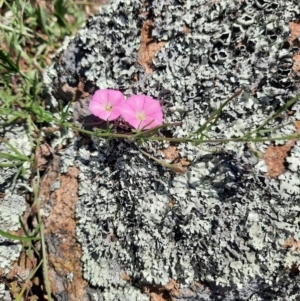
(17, 237)
(7, 62)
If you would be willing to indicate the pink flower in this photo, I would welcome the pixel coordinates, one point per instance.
(106, 104)
(142, 111)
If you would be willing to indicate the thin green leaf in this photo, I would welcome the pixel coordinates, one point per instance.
(14, 30)
(59, 11)
(16, 164)
(19, 238)
(8, 63)
(14, 157)
(13, 149)
(42, 19)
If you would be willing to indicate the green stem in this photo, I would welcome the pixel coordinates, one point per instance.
(184, 139)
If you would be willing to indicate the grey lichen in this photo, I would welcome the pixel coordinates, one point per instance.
(4, 294)
(12, 206)
(12, 200)
(228, 221)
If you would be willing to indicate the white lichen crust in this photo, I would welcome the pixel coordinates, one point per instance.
(224, 222)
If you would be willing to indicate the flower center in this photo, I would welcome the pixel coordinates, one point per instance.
(108, 107)
(140, 116)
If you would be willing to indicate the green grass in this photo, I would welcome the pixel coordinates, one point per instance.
(30, 32)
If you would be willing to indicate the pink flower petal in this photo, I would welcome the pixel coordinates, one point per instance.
(104, 98)
(128, 112)
(114, 115)
(104, 115)
(142, 104)
(136, 102)
(115, 97)
(152, 107)
(134, 122)
(150, 122)
(95, 107)
(100, 96)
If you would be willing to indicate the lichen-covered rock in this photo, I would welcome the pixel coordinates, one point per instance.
(12, 198)
(224, 222)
